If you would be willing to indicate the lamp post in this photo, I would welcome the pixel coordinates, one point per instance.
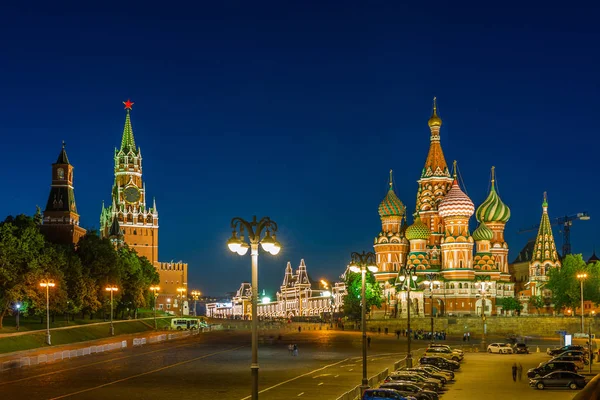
(47, 283)
(582, 277)
(155, 290)
(18, 307)
(181, 291)
(329, 293)
(431, 280)
(111, 289)
(361, 263)
(238, 245)
(483, 287)
(407, 276)
(195, 295)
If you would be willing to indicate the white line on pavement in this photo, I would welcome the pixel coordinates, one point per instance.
(300, 394)
(336, 376)
(320, 383)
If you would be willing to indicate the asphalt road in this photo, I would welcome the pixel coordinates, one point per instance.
(214, 365)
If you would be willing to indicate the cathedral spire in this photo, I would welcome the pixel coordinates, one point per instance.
(545, 249)
(128, 142)
(435, 165)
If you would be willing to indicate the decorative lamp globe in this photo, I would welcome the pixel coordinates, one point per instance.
(243, 249)
(373, 268)
(276, 246)
(268, 242)
(234, 243)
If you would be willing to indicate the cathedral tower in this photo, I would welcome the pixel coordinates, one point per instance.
(390, 245)
(435, 182)
(137, 222)
(61, 221)
(544, 252)
(495, 214)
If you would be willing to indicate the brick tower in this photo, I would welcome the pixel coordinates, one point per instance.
(61, 221)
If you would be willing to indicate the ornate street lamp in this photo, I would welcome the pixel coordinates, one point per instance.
(361, 263)
(155, 290)
(431, 280)
(237, 244)
(480, 282)
(111, 289)
(406, 278)
(181, 291)
(195, 295)
(582, 277)
(47, 283)
(329, 293)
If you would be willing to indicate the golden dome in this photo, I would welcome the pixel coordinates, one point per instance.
(434, 120)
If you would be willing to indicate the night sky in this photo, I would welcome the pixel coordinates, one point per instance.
(298, 111)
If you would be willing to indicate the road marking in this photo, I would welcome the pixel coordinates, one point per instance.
(320, 375)
(293, 379)
(300, 394)
(351, 369)
(146, 373)
(320, 383)
(96, 363)
(336, 376)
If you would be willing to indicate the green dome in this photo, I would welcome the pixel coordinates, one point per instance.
(483, 233)
(418, 230)
(391, 205)
(493, 209)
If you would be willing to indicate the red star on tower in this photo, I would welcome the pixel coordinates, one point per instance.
(128, 104)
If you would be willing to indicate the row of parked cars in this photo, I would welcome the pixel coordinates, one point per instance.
(425, 381)
(561, 370)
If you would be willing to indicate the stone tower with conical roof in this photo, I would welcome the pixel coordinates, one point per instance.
(544, 255)
(137, 222)
(434, 183)
(61, 221)
(390, 245)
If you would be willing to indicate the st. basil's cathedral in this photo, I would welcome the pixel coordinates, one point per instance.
(455, 269)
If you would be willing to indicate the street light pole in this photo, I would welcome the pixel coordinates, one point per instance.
(238, 245)
(327, 285)
(155, 290)
(406, 277)
(18, 305)
(47, 283)
(431, 282)
(483, 294)
(111, 289)
(361, 262)
(582, 277)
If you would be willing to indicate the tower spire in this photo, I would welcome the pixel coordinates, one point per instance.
(435, 120)
(454, 175)
(128, 142)
(391, 183)
(493, 175)
(62, 156)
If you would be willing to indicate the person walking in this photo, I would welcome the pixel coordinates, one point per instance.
(514, 372)
(295, 349)
(519, 371)
(398, 334)
(379, 331)
(369, 341)
(468, 336)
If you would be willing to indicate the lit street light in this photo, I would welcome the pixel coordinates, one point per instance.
(238, 245)
(407, 277)
(582, 277)
(430, 281)
(361, 263)
(155, 290)
(483, 294)
(47, 283)
(195, 295)
(181, 291)
(18, 307)
(330, 294)
(111, 289)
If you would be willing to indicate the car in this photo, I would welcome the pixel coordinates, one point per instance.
(550, 366)
(380, 394)
(440, 362)
(422, 382)
(520, 348)
(576, 353)
(459, 351)
(500, 348)
(410, 389)
(449, 375)
(559, 350)
(579, 361)
(565, 379)
(444, 353)
(423, 371)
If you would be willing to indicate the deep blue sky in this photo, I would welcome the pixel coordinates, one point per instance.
(298, 111)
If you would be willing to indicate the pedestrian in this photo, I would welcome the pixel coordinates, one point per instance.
(369, 341)
(299, 329)
(468, 336)
(398, 334)
(291, 349)
(464, 337)
(379, 331)
(295, 349)
(514, 372)
(519, 371)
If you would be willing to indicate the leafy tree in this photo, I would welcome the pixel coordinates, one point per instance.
(137, 275)
(510, 304)
(352, 301)
(565, 286)
(537, 302)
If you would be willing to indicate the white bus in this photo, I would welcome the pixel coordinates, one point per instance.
(187, 323)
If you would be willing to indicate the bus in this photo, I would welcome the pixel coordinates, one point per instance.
(187, 323)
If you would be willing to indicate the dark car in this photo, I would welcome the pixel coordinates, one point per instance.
(440, 363)
(433, 369)
(410, 389)
(428, 374)
(559, 350)
(563, 379)
(418, 380)
(550, 366)
(379, 394)
(520, 348)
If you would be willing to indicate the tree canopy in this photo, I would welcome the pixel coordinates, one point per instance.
(353, 301)
(565, 286)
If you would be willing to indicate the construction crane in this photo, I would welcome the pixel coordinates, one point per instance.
(566, 223)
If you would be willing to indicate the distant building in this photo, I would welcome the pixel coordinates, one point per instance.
(60, 223)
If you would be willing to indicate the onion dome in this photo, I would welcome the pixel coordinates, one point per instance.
(482, 233)
(456, 203)
(434, 120)
(418, 230)
(391, 204)
(493, 209)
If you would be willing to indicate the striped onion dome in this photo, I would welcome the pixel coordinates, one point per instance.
(391, 205)
(483, 233)
(456, 203)
(493, 209)
(418, 230)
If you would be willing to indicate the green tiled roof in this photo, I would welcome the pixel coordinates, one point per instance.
(128, 142)
(483, 233)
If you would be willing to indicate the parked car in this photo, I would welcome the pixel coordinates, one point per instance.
(440, 362)
(520, 348)
(459, 351)
(410, 389)
(383, 394)
(420, 381)
(501, 348)
(444, 353)
(433, 369)
(559, 350)
(550, 366)
(564, 379)
(583, 354)
(579, 361)
(428, 374)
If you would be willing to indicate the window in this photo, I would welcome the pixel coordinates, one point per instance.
(160, 306)
(168, 306)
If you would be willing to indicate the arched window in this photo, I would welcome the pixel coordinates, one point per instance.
(460, 285)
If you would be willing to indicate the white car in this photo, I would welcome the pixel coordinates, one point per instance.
(501, 348)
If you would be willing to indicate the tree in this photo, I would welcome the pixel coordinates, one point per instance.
(565, 286)
(537, 302)
(137, 275)
(352, 300)
(510, 304)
